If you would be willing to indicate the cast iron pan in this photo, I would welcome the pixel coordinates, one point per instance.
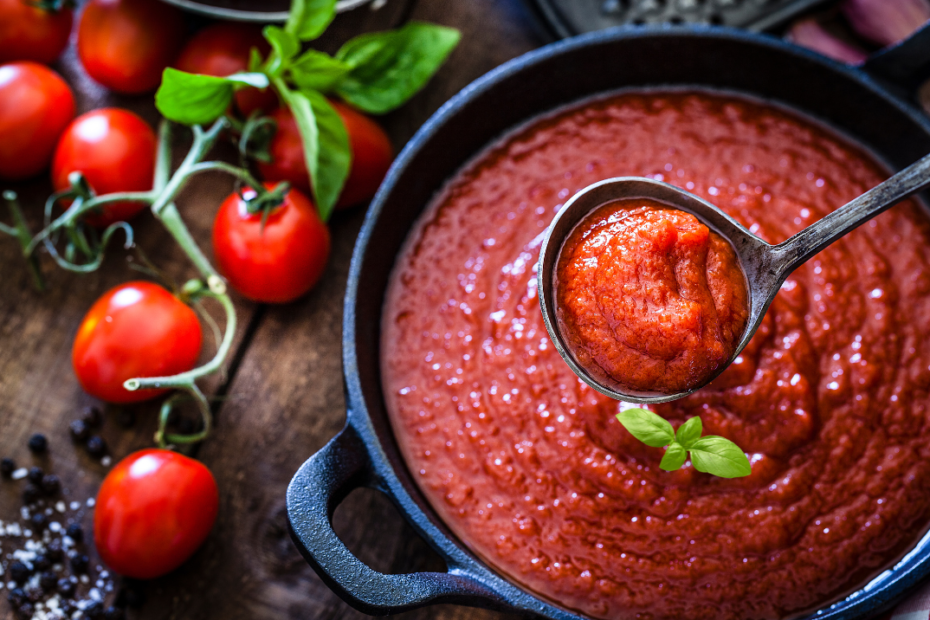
(365, 453)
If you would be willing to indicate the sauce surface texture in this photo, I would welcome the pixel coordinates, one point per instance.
(530, 468)
(648, 299)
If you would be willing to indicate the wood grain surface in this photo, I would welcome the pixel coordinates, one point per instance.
(282, 398)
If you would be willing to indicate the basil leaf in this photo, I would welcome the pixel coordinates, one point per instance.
(388, 68)
(318, 71)
(335, 154)
(325, 142)
(284, 46)
(720, 457)
(646, 426)
(689, 432)
(675, 456)
(309, 18)
(198, 99)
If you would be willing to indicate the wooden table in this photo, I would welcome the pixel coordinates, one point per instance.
(282, 399)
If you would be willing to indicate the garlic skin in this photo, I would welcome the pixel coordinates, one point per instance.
(810, 34)
(886, 21)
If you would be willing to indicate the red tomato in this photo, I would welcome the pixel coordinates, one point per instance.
(154, 509)
(223, 49)
(276, 262)
(35, 107)
(30, 33)
(137, 329)
(371, 155)
(115, 150)
(126, 44)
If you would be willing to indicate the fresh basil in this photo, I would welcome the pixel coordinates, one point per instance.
(309, 18)
(712, 454)
(649, 428)
(199, 99)
(674, 458)
(318, 71)
(325, 142)
(388, 68)
(720, 457)
(284, 46)
(689, 432)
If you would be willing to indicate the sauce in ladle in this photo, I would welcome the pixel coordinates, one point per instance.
(649, 299)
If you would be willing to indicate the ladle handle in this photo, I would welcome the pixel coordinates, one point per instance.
(800, 247)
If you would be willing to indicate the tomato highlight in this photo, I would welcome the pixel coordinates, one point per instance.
(35, 107)
(154, 510)
(274, 261)
(137, 329)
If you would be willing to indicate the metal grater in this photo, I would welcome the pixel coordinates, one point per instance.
(571, 17)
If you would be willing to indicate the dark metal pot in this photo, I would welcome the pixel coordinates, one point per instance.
(365, 452)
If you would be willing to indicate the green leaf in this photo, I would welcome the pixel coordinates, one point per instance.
(689, 432)
(284, 46)
(646, 426)
(199, 99)
(720, 457)
(318, 71)
(675, 456)
(309, 18)
(388, 68)
(326, 144)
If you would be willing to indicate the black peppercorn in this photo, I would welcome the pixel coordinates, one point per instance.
(35, 475)
(34, 594)
(7, 467)
(38, 443)
(66, 587)
(19, 572)
(48, 581)
(92, 416)
(25, 611)
(94, 611)
(75, 532)
(41, 561)
(79, 430)
(96, 446)
(30, 493)
(51, 484)
(39, 521)
(53, 550)
(16, 597)
(113, 613)
(67, 607)
(79, 563)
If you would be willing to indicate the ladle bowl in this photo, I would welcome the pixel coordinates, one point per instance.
(764, 265)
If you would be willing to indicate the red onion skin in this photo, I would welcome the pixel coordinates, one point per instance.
(810, 34)
(886, 22)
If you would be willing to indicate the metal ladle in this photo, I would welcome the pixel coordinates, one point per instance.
(765, 266)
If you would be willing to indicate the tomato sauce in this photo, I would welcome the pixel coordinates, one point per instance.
(648, 299)
(530, 468)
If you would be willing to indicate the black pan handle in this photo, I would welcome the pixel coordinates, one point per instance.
(316, 490)
(905, 64)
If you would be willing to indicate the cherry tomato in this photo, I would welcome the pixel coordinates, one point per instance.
(223, 49)
(371, 155)
(126, 44)
(276, 262)
(137, 329)
(30, 33)
(115, 150)
(154, 509)
(35, 107)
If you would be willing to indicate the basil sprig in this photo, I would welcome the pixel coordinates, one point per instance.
(376, 73)
(710, 454)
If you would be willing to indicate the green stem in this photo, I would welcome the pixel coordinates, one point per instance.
(24, 235)
(240, 173)
(185, 380)
(163, 157)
